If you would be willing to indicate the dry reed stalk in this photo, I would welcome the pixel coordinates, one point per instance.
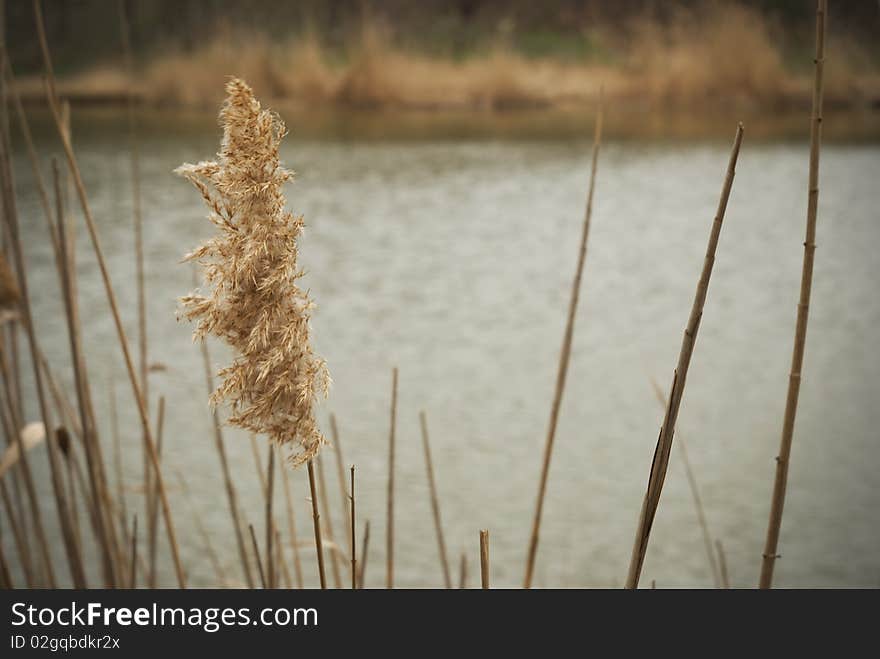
(132, 573)
(365, 546)
(352, 535)
(270, 524)
(667, 431)
(5, 576)
(291, 528)
(125, 31)
(209, 548)
(462, 572)
(340, 472)
(484, 559)
(251, 268)
(231, 495)
(316, 521)
(66, 446)
(695, 493)
(435, 502)
(111, 296)
(259, 562)
(800, 335)
(151, 494)
(564, 356)
(282, 561)
(31, 151)
(389, 528)
(117, 455)
(74, 559)
(255, 453)
(17, 536)
(722, 562)
(328, 523)
(200, 528)
(24, 465)
(97, 490)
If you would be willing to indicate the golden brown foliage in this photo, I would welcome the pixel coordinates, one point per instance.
(250, 266)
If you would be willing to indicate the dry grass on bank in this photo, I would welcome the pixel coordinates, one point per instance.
(716, 56)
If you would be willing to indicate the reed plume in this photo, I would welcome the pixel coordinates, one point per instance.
(250, 267)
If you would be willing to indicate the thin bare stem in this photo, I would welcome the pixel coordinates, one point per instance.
(365, 546)
(291, 527)
(316, 520)
(564, 358)
(722, 562)
(257, 556)
(124, 31)
(99, 496)
(231, 496)
(484, 559)
(389, 528)
(328, 521)
(270, 525)
(667, 430)
(435, 502)
(151, 493)
(695, 493)
(462, 572)
(132, 574)
(352, 535)
(800, 335)
(340, 473)
(111, 297)
(24, 464)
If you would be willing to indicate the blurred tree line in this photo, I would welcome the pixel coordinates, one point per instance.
(83, 32)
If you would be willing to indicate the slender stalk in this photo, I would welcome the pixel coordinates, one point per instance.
(255, 452)
(667, 430)
(462, 572)
(5, 576)
(151, 494)
(435, 503)
(800, 335)
(352, 535)
(389, 529)
(340, 473)
(564, 357)
(722, 562)
(32, 155)
(111, 296)
(125, 31)
(94, 462)
(695, 494)
(270, 525)
(231, 495)
(132, 574)
(365, 546)
(24, 464)
(17, 536)
(281, 560)
(257, 556)
(291, 528)
(484, 559)
(316, 520)
(328, 522)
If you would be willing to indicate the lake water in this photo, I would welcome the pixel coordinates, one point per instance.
(452, 259)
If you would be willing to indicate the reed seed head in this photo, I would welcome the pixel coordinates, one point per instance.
(250, 268)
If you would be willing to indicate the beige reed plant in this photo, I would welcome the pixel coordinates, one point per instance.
(250, 266)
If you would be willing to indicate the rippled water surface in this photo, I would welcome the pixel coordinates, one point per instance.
(452, 259)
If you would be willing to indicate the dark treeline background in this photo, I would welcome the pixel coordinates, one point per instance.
(85, 32)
